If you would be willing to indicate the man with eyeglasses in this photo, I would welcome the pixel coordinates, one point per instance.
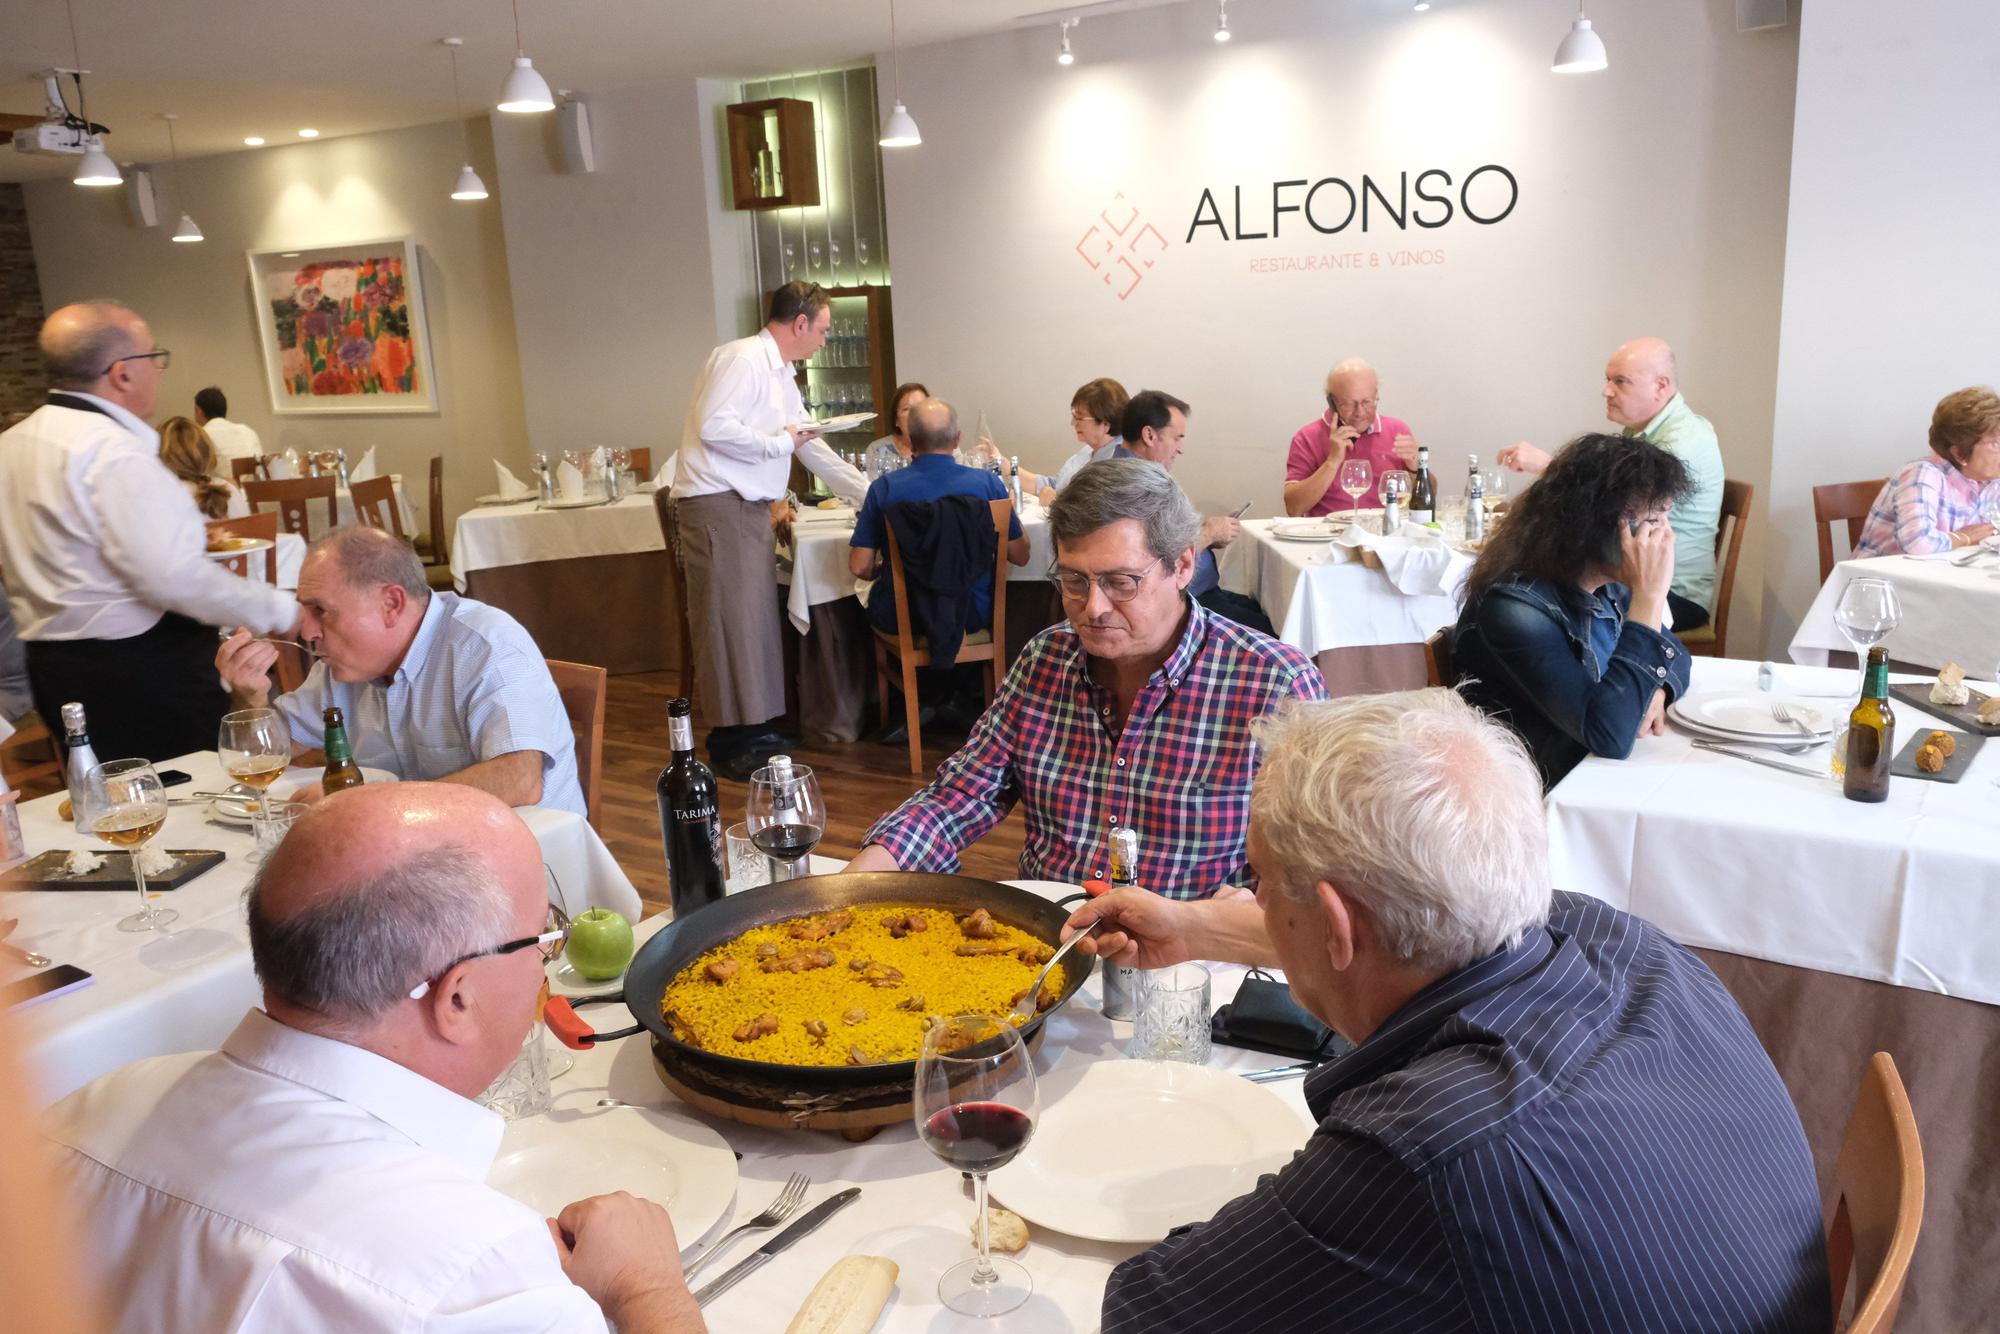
(1134, 714)
(326, 1169)
(1350, 428)
(105, 554)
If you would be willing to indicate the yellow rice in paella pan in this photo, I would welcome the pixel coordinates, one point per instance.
(855, 986)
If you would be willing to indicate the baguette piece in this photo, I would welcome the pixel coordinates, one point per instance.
(848, 1298)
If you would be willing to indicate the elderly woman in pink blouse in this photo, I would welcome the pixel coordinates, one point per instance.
(1950, 498)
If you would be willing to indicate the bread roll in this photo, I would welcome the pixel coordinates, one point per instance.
(1943, 741)
(1006, 1230)
(848, 1297)
(1930, 759)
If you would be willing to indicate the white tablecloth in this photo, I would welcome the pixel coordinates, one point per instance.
(1321, 598)
(819, 563)
(523, 534)
(910, 1208)
(1949, 614)
(184, 989)
(1728, 855)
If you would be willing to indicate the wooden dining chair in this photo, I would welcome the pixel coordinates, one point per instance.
(30, 759)
(983, 646)
(1711, 640)
(1878, 1189)
(245, 469)
(670, 533)
(582, 690)
(642, 463)
(375, 504)
(1437, 658)
(1837, 501)
(261, 526)
(294, 497)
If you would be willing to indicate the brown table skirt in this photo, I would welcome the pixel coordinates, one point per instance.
(614, 612)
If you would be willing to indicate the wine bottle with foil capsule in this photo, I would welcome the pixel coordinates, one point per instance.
(1121, 983)
(341, 770)
(81, 759)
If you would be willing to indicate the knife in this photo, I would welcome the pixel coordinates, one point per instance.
(820, 1212)
(1763, 760)
(1278, 1072)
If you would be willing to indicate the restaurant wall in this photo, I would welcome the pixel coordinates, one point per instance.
(1057, 224)
(22, 381)
(199, 302)
(1891, 277)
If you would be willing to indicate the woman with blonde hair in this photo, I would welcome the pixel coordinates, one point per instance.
(190, 455)
(1950, 498)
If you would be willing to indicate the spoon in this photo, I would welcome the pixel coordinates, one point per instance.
(1024, 1008)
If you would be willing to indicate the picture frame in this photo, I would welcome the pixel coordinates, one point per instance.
(361, 342)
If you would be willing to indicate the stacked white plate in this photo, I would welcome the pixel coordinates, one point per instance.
(1745, 718)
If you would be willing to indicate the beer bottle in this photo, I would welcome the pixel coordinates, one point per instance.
(690, 818)
(1871, 735)
(341, 770)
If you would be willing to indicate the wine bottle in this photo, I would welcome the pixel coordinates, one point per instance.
(1121, 984)
(1871, 735)
(1423, 490)
(1475, 501)
(81, 760)
(690, 818)
(341, 770)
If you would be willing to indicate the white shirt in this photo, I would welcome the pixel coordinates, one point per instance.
(734, 437)
(99, 540)
(290, 1182)
(233, 440)
(472, 687)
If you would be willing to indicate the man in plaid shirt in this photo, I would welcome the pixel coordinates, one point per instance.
(1136, 713)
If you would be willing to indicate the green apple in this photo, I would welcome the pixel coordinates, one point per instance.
(600, 944)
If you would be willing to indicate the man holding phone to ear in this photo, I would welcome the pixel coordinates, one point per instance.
(1351, 428)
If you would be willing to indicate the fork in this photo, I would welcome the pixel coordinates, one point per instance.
(1783, 713)
(780, 1209)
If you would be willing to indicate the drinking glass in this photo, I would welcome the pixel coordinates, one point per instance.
(1493, 484)
(523, 1089)
(746, 867)
(833, 255)
(1868, 611)
(1173, 1019)
(279, 817)
(255, 746)
(861, 249)
(791, 253)
(786, 817)
(124, 804)
(816, 255)
(975, 1108)
(1400, 479)
(1355, 477)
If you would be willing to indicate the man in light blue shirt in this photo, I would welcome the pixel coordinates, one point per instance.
(433, 686)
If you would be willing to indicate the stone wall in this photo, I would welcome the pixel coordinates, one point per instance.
(21, 384)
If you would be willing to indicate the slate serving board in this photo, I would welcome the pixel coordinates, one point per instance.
(45, 871)
(1963, 715)
(1905, 763)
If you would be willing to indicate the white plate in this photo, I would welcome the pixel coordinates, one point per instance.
(1192, 1139)
(587, 503)
(234, 810)
(1303, 530)
(657, 1153)
(847, 421)
(250, 544)
(1748, 714)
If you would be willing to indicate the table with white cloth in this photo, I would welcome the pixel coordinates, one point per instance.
(1842, 928)
(183, 988)
(1366, 634)
(911, 1208)
(1951, 613)
(590, 585)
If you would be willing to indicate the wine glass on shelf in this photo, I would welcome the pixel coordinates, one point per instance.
(786, 816)
(1868, 611)
(816, 255)
(1354, 479)
(975, 1108)
(125, 805)
(255, 746)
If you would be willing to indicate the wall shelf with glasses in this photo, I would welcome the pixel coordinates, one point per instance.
(773, 154)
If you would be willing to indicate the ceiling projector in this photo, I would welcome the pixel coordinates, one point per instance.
(61, 133)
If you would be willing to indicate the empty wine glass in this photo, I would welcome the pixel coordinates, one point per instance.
(123, 803)
(1868, 611)
(833, 254)
(1355, 477)
(786, 816)
(1493, 486)
(791, 254)
(975, 1108)
(255, 746)
(816, 255)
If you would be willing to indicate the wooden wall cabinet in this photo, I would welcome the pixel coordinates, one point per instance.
(773, 154)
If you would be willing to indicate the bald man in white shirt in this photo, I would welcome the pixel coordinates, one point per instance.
(105, 554)
(326, 1169)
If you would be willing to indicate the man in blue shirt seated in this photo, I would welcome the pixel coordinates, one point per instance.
(932, 475)
(1554, 1118)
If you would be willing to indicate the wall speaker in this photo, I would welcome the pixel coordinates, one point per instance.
(573, 128)
(139, 197)
(1756, 15)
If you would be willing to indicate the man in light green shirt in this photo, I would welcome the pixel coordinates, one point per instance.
(1642, 395)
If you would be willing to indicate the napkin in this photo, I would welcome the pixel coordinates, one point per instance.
(363, 470)
(569, 480)
(510, 485)
(283, 466)
(1415, 559)
(664, 478)
(600, 460)
(1782, 678)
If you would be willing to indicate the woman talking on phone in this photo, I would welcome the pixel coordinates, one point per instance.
(1563, 636)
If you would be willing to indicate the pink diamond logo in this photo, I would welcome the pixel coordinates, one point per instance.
(1121, 247)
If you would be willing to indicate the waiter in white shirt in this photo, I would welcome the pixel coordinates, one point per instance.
(105, 555)
(743, 427)
(232, 440)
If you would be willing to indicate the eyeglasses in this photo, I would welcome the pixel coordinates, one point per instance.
(1119, 585)
(1351, 405)
(549, 942)
(159, 354)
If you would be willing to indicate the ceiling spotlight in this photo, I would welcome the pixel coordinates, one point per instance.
(469, 185)
(97, 168)
(254, 141)
(1065, 56)
(1582, 50)
(187, 231)
(308, 134)
(1222, 20)
(899, 128)
(523, 91)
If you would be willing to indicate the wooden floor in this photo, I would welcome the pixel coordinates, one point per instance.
(859, 782)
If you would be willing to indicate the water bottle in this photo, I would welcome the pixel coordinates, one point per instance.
(1475, 503)
(1014, 479)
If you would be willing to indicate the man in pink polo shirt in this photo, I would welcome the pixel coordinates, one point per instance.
(1350, 428)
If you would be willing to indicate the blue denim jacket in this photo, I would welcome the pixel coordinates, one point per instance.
(1524, 654)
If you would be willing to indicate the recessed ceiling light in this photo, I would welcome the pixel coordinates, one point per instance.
(308, 134)
(288, 254)
(254, 141)
(1422, 6)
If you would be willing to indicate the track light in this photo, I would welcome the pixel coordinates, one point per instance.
(524, 91)
(899, 128)
(1222, 20)
(1065, 56)
(1582, 50)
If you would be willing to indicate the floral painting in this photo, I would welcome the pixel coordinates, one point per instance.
(343, 329)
